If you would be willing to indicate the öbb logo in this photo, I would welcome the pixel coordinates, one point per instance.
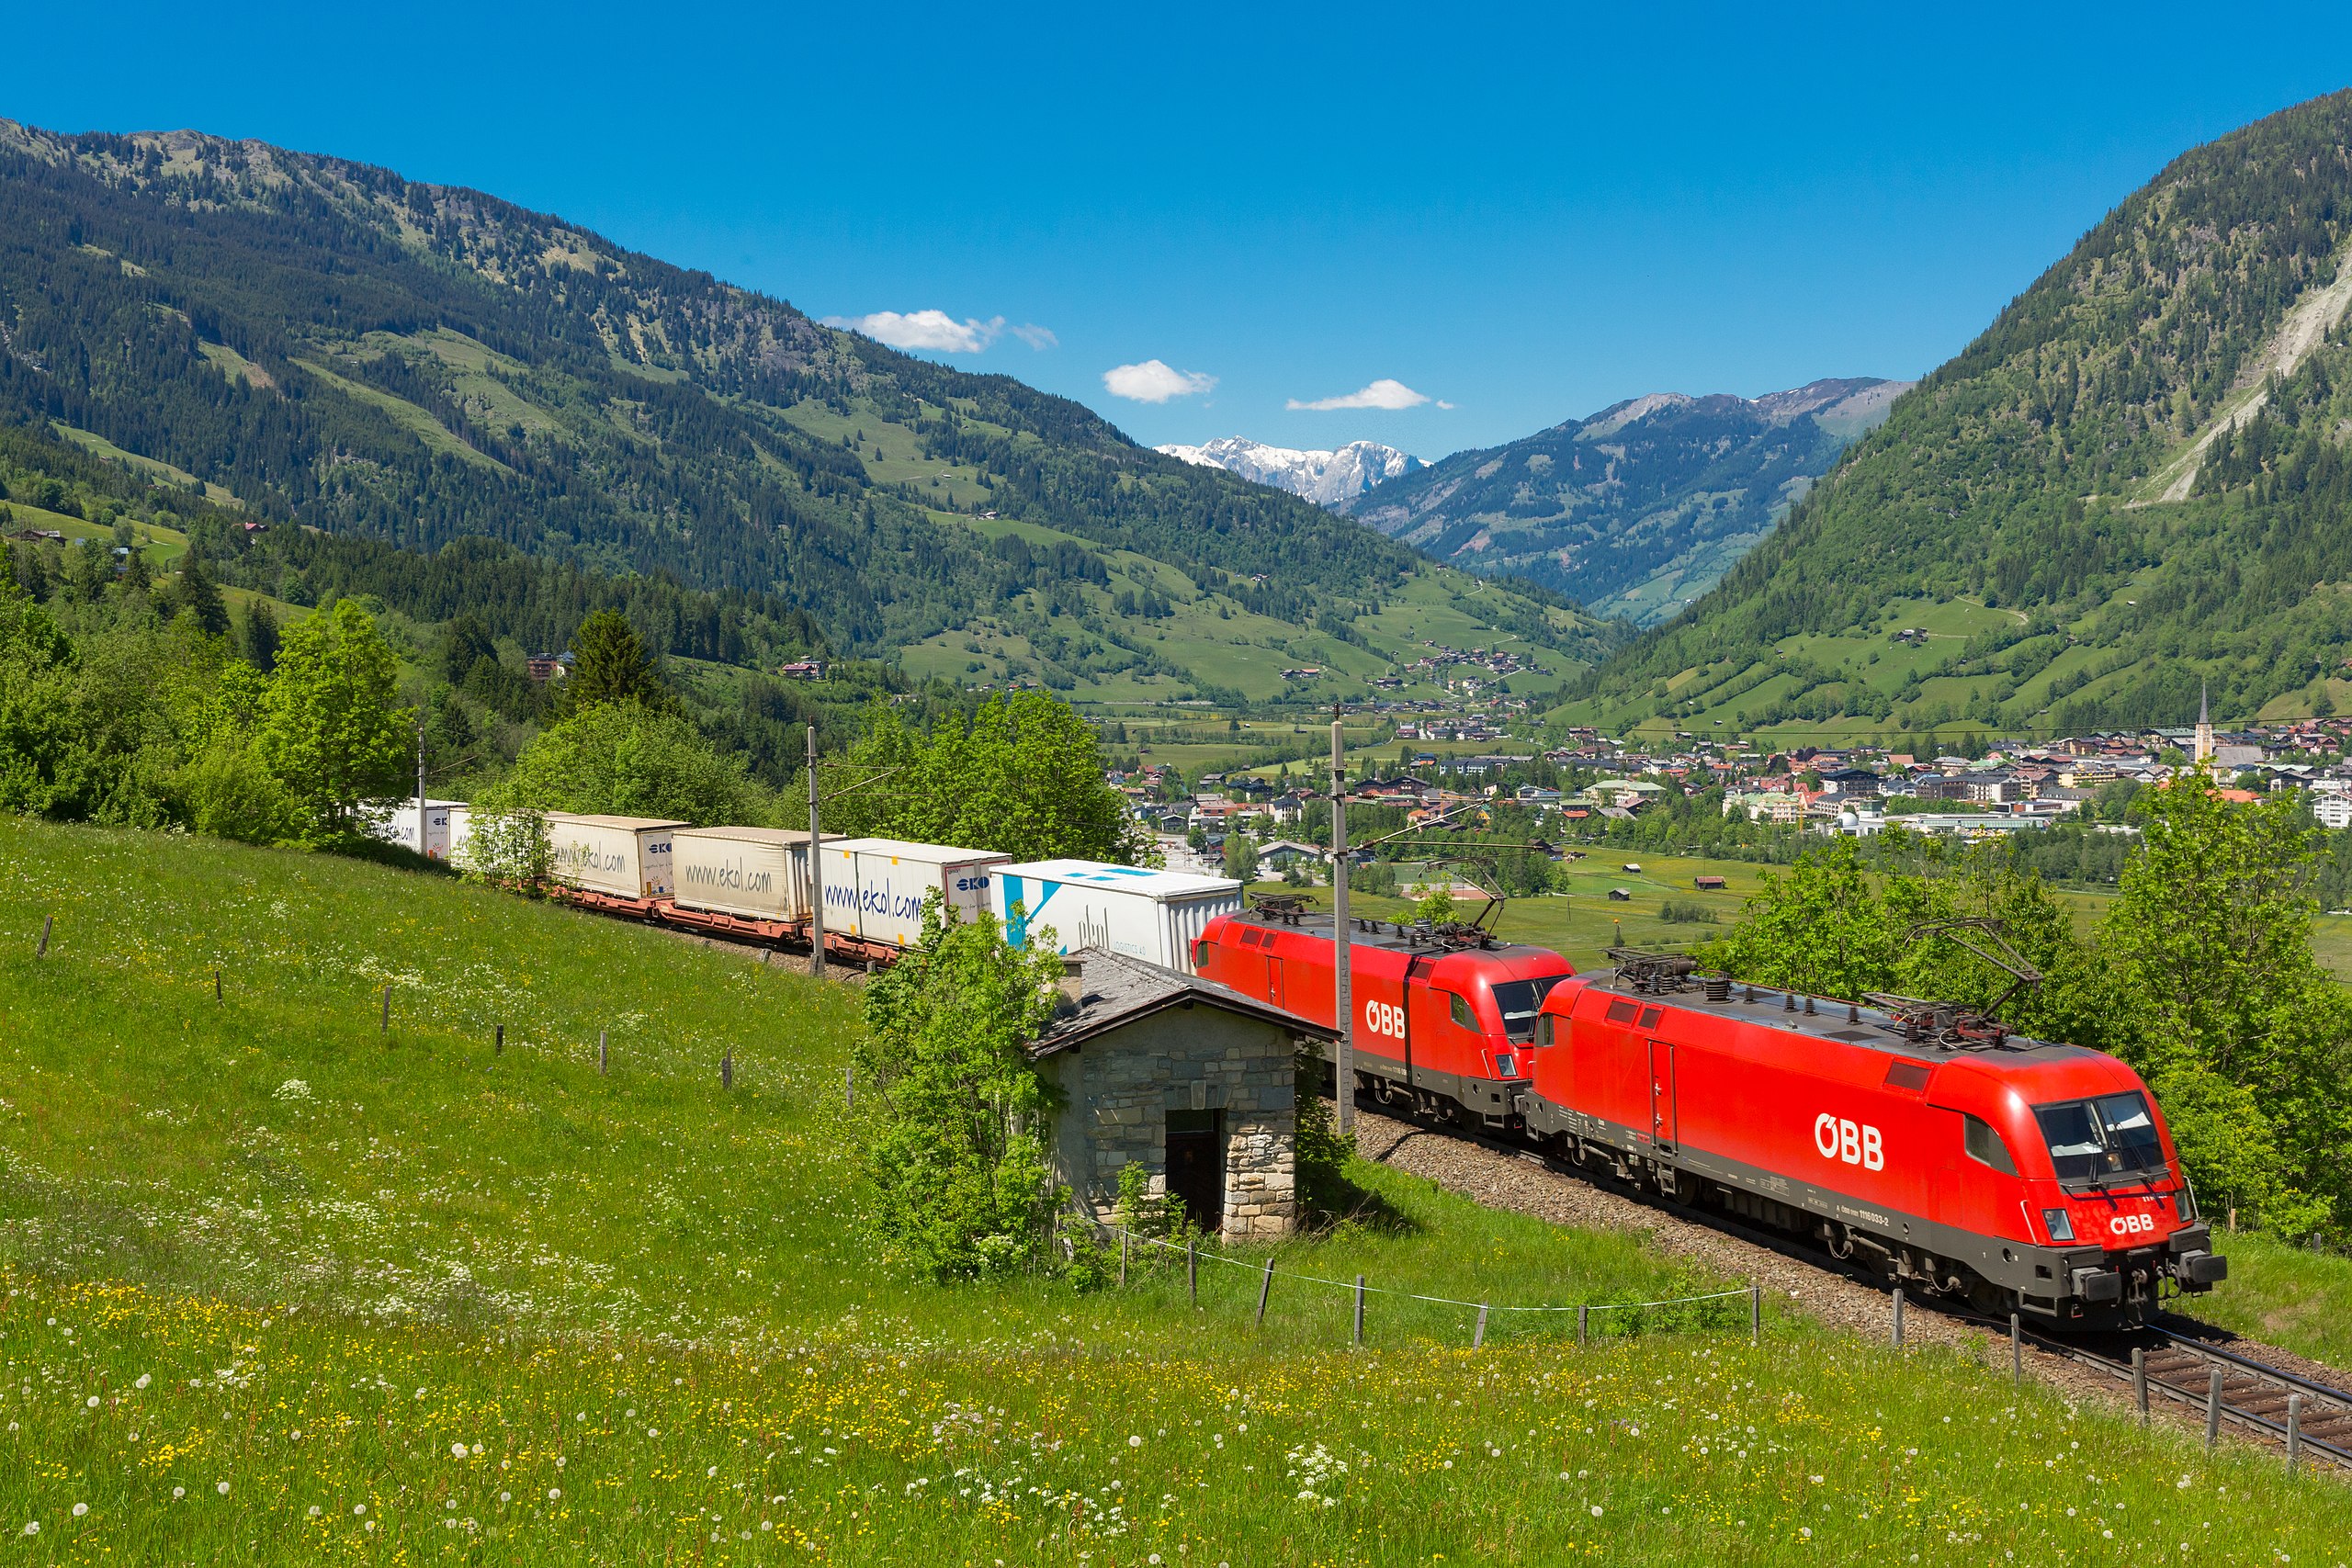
(1381, 1017)
(1841, 1140)
(2132, 1224)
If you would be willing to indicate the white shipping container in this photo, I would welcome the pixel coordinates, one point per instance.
(396, 824)
(628, 857)
(1147, 914)
(759, 873)
(875, 887)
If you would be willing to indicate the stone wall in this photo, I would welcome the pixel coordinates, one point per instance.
(1119, 1087)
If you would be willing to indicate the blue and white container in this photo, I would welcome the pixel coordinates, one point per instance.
(1131, 909)
(875, 887)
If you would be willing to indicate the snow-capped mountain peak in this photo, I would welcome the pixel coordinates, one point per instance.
(1327, 479)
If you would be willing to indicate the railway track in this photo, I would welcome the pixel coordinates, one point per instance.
(2283, 1409)
(2182, 1372)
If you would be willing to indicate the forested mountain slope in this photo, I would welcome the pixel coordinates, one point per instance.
(1639, 508)
(2133, 480)
(330, 344)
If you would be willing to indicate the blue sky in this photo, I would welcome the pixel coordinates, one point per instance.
(1492, 220)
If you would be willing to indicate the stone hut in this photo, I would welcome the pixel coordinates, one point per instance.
(1195, 1081)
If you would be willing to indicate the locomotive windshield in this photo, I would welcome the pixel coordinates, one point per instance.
(2109, 1137)
(1521, 1001)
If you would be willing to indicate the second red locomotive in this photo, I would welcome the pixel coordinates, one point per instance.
(1444, 1018)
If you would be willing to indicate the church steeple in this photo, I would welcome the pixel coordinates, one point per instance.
(2204, 753)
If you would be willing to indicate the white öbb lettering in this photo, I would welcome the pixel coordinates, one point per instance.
(1843, 1141)
(2132, 1224)
(1381, 1017)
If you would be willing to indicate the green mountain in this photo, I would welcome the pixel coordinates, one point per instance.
(2134, 480)
(1638, 510)
(324, 343)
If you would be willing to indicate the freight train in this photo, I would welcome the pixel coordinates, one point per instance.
(1956, 1159)
(1965, 1162)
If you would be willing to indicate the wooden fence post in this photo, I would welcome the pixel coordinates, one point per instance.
(1895, 1331)
(1265, 1289)
(216, 985)
(498, 1041)
(1478, 1334)
(1359, 1309)
(48, 921)
(1192, 1269)
(727, 1069)
(1584, 1316)
(1123, 1260)
(385, 1026)
(603, 1060)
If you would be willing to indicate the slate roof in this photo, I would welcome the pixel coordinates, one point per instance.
(1115, 989)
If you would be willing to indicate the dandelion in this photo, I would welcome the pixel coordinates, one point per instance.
(357, 1509)
(222, 1488)
(507, 1497)
(711, 1471)
(32, 1527)
(81, 1508)
(178, 1493)
(1595, 1510)
(1806, 1530)
(555, 1494)
(1133, 1442)
(143, 1381)
(456, 1450)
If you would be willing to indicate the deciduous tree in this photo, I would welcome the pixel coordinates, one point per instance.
(330, 730)
(954, 1133)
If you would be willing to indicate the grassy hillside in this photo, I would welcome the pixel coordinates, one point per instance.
(280, 1287)
(2133, 480)
(317, 341)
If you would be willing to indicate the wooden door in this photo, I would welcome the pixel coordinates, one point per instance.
(1196, 1165)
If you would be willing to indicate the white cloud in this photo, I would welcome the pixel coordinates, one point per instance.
(1155, 381)
(1383, 393)
(941, 332)
(934, 330)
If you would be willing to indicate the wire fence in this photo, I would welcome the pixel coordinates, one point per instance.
(1360, 1291)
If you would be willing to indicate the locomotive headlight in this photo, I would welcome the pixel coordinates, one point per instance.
(2060, 1225)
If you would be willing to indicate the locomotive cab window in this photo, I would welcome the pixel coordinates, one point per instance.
(1984, 1145)
(1545, 1034)
(1519, 1000)
(2101, 1140)
(1460, 1006)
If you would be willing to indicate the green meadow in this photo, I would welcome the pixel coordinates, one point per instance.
(286, 1284)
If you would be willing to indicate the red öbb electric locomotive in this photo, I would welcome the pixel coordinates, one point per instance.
(1959, 1160)
(1443, 1017)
